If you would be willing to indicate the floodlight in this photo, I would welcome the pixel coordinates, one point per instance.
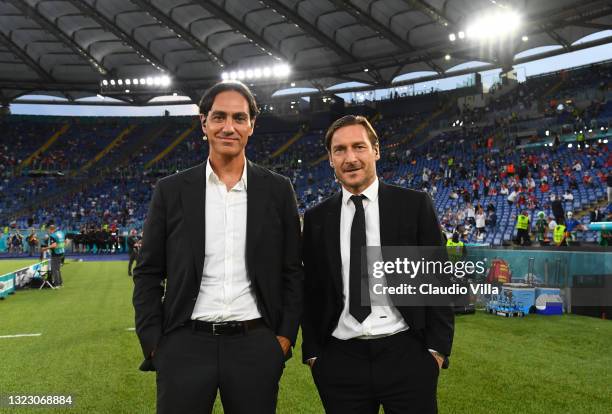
(461, 35)
(452, 37)
(120, 81)
(149, 81)
(165, 80)
(447, 57)
(267, 72)
(105, 82)
(112, 82)
(128, 81)
(494, 25)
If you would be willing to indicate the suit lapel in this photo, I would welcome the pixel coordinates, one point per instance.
(388, 217)
(257, 197)
(332, 241)
(193, 198)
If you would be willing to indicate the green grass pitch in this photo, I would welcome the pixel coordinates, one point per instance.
(532, 365)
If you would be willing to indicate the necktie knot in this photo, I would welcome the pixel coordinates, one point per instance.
(358, 201)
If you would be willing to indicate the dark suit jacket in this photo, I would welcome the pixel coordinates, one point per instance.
(173, 251)
(407, 218)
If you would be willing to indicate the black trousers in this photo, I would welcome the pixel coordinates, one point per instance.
(357, 376)
(193, 365)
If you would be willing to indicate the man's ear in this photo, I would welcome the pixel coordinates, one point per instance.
(252, 124)
(377, 151)
(203, 122)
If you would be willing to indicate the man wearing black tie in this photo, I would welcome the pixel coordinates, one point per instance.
(218, 284)
(364, 356)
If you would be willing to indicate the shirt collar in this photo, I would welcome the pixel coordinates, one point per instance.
(212, 176)
(371, 193)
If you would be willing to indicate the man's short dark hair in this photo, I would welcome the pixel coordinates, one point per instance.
(209, 96)
(348, 120)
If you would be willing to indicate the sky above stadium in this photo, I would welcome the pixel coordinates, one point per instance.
(551, 64)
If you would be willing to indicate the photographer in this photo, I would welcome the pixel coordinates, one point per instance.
(32, 242)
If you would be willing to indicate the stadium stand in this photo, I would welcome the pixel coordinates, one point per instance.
(101, 172)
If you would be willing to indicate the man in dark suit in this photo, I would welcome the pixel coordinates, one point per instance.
(364, 356)
(218, 284)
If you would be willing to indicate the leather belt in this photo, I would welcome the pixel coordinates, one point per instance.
(227, 328)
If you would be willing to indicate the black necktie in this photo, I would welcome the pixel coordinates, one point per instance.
(358, 280)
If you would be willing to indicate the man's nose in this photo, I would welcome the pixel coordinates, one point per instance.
(228, 126)
(350, 156)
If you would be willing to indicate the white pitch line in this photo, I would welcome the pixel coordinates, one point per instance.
(130, 329)
(19, 335)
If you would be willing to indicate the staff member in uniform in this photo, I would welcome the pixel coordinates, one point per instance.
(56, 247)
(522, 229)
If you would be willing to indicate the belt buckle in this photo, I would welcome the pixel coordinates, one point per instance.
(214, 327)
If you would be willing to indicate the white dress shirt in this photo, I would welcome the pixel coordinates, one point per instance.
(226, 293)
(384, 320)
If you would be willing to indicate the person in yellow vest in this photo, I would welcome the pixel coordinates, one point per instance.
(522, 229)
(580, 140)
(559, 235)
(455, 247)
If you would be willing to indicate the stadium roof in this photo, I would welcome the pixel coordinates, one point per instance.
(66, 48)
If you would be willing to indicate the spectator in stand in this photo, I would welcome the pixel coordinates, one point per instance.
(470, 213)
(512, 197)
(587, 180)
(480, 223)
